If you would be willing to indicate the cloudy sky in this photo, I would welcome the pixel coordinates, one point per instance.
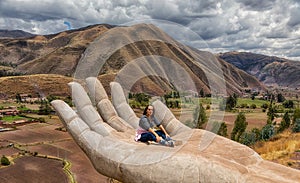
(269, 27)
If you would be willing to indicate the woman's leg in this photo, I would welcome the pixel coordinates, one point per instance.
(161, 134)
(145, 137)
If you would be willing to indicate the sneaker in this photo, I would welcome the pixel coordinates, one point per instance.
(163, 142)
(168, 138)
(167, 143)
(171, 143)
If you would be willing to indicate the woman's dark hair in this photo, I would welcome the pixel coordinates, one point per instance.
(146, 108)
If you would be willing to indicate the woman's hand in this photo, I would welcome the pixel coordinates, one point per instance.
(158, 138)
(106, 136)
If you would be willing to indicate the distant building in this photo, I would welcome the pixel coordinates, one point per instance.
(29, 99)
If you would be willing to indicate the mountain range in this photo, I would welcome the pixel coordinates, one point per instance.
(14, 34)
(62, 53)
(271, 70)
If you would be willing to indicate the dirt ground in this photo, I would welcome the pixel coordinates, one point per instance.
(44, 139)
(33, 170)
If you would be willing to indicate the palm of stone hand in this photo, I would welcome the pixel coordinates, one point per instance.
(106, 136)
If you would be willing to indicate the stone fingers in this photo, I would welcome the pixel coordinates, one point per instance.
(104, 106)
(120, 103)
(172, 125)
(87, 112)
(75, 125)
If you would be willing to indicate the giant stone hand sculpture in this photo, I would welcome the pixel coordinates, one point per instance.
(106, 136)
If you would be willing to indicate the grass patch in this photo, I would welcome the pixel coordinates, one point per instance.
(281, 149)
(205, 101)
(11, 119)
(249, 102)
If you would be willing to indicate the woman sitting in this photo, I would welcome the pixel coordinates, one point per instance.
(150, 129)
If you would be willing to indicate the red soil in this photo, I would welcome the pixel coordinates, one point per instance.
(33, 169)
(45, 140)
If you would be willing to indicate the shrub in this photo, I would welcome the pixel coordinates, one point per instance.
(5, 161)
(41, 120)
(296, 126)
(288, 104)
(207, 107)
(248, 138)
(267, 132)
(265, 106)
(243, 105)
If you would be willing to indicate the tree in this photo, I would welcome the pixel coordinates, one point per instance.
(201, 93)
(219, 128)
(142, 97)
(239, 128)
(288, 104)
(130, 95)
(68, 100)
(296, 126)
(5, 161)
(272, 97)
(257, 133)
(51, 98)
(271, 113)
(44, 108)
(200, 116)
(265, 106)
(18, 98)
(248, 138)
(231, 102)
(223, 130)
(280, 98)
(285, 123)
(296, 115)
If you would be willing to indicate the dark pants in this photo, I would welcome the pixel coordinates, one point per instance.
(151, 137)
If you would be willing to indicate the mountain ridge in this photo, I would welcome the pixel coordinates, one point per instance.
(12, 34)
(60, 54)
(271, 70)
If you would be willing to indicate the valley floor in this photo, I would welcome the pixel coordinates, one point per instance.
(43, 145)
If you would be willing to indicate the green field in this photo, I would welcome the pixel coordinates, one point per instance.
(11, 119)
(249, 102)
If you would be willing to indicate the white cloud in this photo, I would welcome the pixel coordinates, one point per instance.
(263, 26)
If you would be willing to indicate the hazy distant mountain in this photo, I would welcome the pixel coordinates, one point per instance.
(60, 53)
(14, 34)
(270, 70)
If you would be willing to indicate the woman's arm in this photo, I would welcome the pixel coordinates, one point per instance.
(163, 129)
(158, 138)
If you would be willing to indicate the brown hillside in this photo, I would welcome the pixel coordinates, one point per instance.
(62, 54)
(35, 85)
(52, 54)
